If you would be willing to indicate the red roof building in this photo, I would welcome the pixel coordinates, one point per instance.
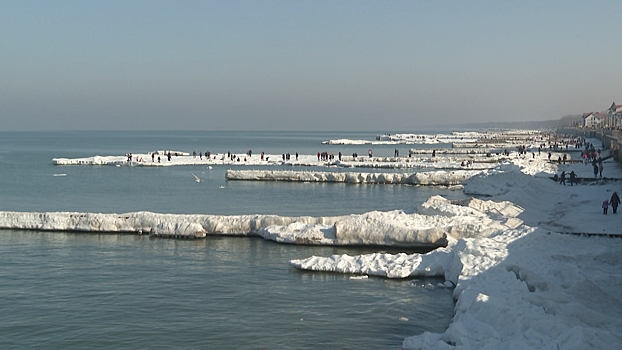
(593, 119)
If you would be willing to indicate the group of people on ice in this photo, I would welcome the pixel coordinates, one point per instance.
(562, 178)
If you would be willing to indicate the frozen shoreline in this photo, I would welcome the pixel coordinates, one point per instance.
(519, 282)
(528, 287)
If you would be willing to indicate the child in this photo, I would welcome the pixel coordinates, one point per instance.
(605, 206)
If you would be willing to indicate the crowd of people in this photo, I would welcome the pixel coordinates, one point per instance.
(591, 155)
(233, 157)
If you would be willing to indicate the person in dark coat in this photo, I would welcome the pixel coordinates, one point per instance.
(614, 202)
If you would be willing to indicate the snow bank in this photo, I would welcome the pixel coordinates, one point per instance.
(524, 286)
(516, 286)
(438, 217)
(446, 178)
(494, 183)
(533, 291)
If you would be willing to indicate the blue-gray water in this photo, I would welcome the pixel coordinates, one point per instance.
(68, 290)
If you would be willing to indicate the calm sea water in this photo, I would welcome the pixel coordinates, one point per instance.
(67, 290)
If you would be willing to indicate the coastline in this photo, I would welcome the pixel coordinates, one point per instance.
(528, 287)
(519, 281)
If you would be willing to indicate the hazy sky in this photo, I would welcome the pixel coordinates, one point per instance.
(292, 65)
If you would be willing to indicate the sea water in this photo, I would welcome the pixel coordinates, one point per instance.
(76, 290)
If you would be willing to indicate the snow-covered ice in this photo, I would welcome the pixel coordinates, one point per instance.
(445, 178)
(507, 137)
(393, 228)
(529, 286)
(534, 264)
(455, 162)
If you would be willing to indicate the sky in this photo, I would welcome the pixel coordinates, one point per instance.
(303, 65)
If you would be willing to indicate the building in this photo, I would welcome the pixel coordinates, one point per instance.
(614, 116)
(593, 119)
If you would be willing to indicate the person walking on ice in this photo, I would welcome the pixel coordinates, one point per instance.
(605, 206)
(614, 202)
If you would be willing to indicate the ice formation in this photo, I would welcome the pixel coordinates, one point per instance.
(479, 162)
(527, 286)
(534, 266)
(446, 178)
(393, 228)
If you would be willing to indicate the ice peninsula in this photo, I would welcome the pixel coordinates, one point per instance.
(393, 228)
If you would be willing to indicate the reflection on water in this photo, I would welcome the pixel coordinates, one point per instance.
(75, 290)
